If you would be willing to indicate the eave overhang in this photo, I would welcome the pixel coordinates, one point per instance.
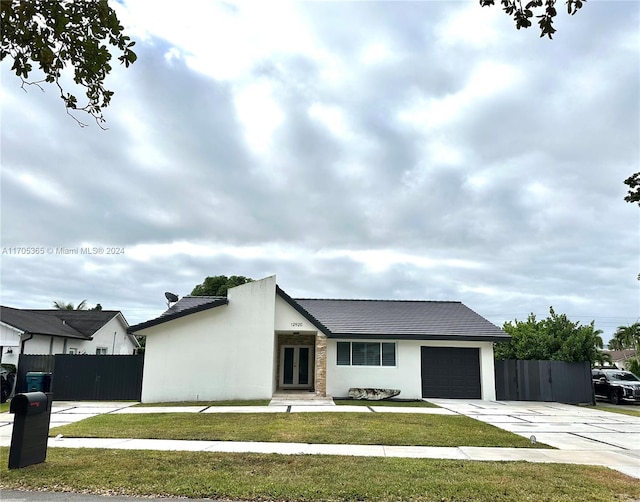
(183, 313)
(296, 306)
(421, 336)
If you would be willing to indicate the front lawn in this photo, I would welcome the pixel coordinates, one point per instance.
(328, 427)
(613, 409)
(318, 478)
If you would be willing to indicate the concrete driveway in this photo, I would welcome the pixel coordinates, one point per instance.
(63, 413)
(580, 429)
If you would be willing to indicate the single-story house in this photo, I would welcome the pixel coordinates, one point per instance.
(258, 341)
(32, 331)
(619, 358)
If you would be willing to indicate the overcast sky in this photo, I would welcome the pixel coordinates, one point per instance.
(400, 150)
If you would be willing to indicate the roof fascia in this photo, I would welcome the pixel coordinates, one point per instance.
(161, 320)
(296, 306)
(14, 328)
(459, 338)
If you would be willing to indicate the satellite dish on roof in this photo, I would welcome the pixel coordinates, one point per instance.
(171, 298)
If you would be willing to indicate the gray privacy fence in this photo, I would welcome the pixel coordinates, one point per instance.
(86, 377)
(559, 381)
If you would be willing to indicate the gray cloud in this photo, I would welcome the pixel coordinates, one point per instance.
(512, 188)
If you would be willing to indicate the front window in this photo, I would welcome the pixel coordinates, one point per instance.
(366, 354)
(101, 351)
(625, 376)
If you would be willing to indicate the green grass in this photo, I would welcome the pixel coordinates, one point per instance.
(4, 407)
(337, 428)
(314, 477)
(255, 402)
(384, 402)
(612, 409)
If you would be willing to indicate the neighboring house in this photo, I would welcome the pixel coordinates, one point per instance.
(259, 341)
(28, 331)
(619, 358)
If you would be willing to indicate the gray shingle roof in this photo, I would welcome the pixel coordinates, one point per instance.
(183, 307)
(67, 323)
(436, 320)
(620, 355)
(391, 319)
(191, 302)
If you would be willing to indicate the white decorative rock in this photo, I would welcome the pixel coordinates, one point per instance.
(372, 394)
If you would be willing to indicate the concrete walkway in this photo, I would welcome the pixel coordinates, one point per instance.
(582, 435)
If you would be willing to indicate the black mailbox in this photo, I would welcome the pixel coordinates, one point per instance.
(30, 403)
(32, 414)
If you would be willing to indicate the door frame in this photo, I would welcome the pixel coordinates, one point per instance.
(296, 356)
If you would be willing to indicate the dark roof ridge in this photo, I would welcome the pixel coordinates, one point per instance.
(301, 310)
(204, 296)
(216, 301)
(58, 310)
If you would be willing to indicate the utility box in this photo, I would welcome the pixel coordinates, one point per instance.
(32, 412)
(38, 381)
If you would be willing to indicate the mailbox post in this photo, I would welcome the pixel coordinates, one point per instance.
(32, 414)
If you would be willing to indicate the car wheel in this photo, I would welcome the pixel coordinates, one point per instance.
(615, 397)
(4, 392)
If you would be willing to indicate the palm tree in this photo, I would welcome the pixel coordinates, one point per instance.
(597, 337)
(627, 339)
(616, 343)
(602, 358)
(69, 306)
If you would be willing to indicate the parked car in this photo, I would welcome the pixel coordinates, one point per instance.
(7, 381)
(616, 385)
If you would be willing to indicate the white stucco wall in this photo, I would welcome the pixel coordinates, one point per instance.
(406, 375)
(113, 336)
(9, 340)
(44, 344)
(218, 354)
(288, 319)
(9, 336)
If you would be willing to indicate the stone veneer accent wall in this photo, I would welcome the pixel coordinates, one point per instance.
(321, 365)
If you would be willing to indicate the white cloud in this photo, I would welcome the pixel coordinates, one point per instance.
(40, 186)
(467, 25)
(259, 114)
(362, 149)
(220, 39)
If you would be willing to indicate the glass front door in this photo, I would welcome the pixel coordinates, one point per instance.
(296, 366)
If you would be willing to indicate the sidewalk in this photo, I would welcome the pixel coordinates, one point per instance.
(582, 435)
